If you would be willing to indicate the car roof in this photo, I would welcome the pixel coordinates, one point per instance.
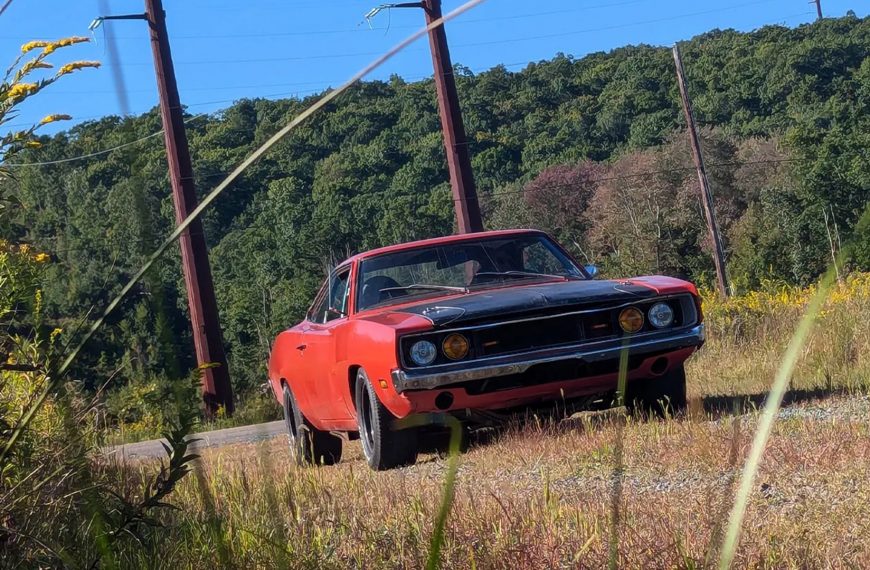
(440, 241)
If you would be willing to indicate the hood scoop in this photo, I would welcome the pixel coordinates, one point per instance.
(442, 315)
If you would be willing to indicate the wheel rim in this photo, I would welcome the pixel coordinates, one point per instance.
(367, 431)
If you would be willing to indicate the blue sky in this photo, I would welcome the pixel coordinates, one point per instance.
(226, 50)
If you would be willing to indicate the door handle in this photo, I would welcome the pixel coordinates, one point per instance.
(302, 347)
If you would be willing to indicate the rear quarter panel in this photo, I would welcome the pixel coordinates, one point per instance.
(282, 367)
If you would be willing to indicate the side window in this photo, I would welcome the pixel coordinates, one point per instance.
(538, 259)
(338, 295)
(331, 302)
(318, 309)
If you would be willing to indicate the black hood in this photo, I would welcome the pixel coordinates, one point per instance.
(510, 300)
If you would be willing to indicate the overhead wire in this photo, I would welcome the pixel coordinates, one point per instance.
(476, 44)
(566, 186)
(297, 92)
(97, 153)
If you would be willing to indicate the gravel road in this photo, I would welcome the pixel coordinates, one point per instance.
(849, 409)
(217, 438)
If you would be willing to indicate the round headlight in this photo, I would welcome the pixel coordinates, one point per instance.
(423, 352)
(631, 320)
(661, 315)
(455, 346)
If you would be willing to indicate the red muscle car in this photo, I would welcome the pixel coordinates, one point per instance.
(477, 326)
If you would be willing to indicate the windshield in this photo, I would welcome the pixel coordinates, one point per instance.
(460, 267)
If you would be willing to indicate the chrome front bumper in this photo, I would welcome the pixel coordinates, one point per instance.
(435, 376)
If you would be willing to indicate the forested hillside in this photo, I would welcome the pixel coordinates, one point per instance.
(591, 149)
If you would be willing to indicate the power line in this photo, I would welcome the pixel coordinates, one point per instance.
(476, 44)
(639, 175)
(303, 33)
(98, 153)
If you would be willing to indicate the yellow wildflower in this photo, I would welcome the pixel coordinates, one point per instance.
(53, 118)
(23, 248)
(33, 45)
(33, 144)
(41, 257)
(76, 65)
(34, 64)
(21, 90)
(51, 47)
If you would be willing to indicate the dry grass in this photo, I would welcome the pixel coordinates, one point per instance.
(542, 496)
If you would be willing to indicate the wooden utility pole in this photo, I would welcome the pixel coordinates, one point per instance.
(455, 144)
(818, 4)
(217, 391)
(465, 200)
(706, 195)
(207, 339)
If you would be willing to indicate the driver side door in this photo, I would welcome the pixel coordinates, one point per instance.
(320, 354)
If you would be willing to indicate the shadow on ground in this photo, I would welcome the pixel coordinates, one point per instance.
(711, 408)
(717, 406)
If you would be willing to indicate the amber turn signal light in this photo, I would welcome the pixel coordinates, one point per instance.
(455, 346)
(631, 320)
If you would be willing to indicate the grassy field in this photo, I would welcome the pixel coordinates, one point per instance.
(584, 493)
(544, 496)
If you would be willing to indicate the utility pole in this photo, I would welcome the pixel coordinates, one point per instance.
(465, 200)
(818, 4)
(207, 339)
(706, 195)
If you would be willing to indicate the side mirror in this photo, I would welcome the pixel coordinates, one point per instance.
(592, 270)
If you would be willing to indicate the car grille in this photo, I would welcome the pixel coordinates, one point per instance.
(523, 333)
(529, 335)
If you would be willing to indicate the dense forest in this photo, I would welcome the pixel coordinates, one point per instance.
(592, 149)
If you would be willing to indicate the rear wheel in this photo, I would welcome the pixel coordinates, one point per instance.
(662, 396)
(308, 445)
(383, 446)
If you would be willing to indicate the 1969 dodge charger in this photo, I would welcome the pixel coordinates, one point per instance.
(478, 326)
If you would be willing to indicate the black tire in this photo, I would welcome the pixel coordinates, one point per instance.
(663, 396)
(308, 445)
(383, 446)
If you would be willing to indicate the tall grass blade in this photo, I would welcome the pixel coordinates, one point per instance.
(768, 415)
(53, 379)
(618, 466)
(447, 497)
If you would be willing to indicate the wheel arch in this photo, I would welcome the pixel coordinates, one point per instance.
(352, 372)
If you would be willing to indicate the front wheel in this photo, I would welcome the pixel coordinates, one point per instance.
(383, 446)
(308, 445)
(663, 396)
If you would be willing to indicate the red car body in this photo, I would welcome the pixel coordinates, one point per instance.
(319, 361)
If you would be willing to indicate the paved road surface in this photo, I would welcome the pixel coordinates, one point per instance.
(243, 434)
(849, 409)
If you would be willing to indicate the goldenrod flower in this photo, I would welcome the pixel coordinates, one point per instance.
(52, 46)
(41, 257)
(34, 64)
(76, 65)
(21, 90)
(53, 118)
(33, 45)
